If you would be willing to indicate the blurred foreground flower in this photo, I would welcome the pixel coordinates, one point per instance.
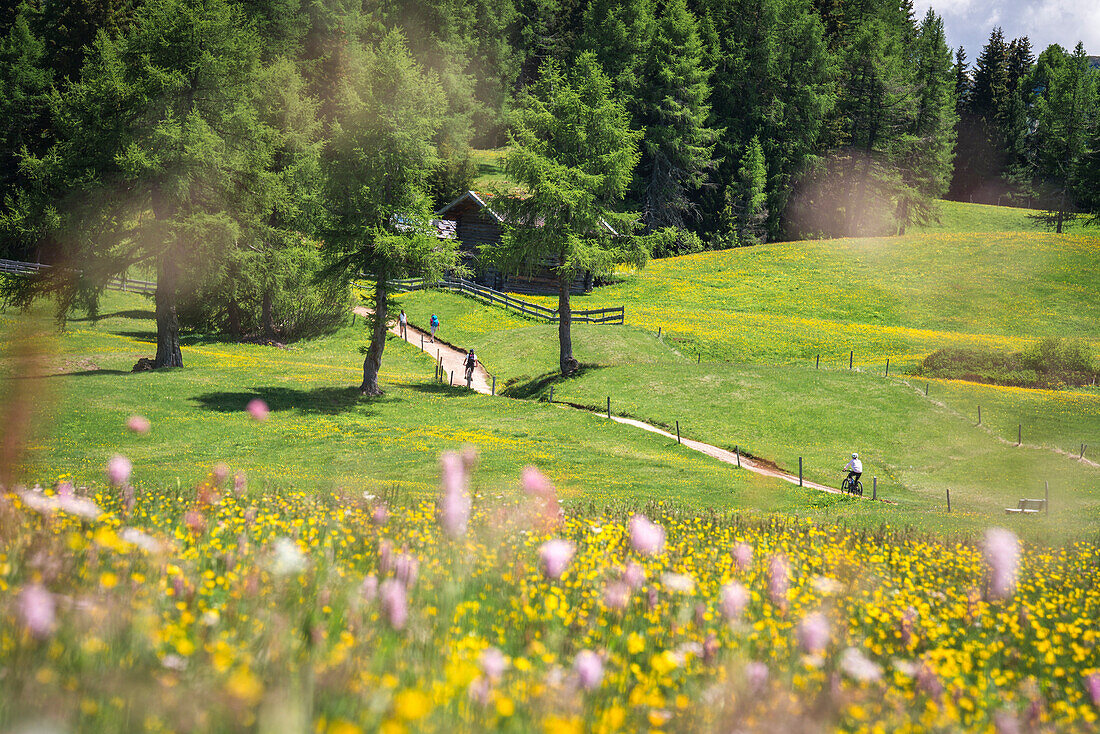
(555, 555)
(454, 500)
(589, 669)
(813, 633)
(1002, 554)
(646, 537)
(138, 424)
(36, 609)
(258, 409)
(118, 470)
(395, 605)
(733, 600)
(289, 558)
(742, 556)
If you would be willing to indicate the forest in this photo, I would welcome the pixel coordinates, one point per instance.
(220, 143)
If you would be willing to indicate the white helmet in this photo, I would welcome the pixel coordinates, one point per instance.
(855, 456)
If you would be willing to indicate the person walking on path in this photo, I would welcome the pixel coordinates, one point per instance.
(471, 363)
(435, 326)
(403, 325)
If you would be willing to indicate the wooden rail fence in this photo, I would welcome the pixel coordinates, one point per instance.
(616, 315)
(144, 287)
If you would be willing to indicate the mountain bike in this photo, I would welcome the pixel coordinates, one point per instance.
(852, 485)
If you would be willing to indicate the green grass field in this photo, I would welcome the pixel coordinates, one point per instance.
(958, 216)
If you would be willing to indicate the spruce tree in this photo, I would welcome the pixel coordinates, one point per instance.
(677, 151)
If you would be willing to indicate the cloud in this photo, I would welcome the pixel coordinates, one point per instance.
(1065, 22)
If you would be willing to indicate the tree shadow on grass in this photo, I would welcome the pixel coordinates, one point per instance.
(321, 400)
(534, 387)
(131, 314)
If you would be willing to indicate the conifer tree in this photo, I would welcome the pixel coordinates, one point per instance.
(157, 147)
(619, 33)
(573, 154)
(379, 154)
(677, 151)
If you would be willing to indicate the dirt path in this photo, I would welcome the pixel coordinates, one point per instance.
(454, 360)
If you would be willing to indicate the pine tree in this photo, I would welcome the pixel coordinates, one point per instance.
(619, 33)
(677, 151)
(962, 80)
(749, 200)
(573, 154)
(379, 154)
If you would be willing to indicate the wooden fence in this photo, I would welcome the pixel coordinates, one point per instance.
(144, 287)
(527, 308)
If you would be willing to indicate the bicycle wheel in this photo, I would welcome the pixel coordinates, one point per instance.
(845, 486)
(858, 488)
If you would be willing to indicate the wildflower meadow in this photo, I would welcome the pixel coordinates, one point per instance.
(220, 608)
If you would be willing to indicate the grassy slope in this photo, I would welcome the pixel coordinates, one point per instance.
(958, 216)
(320, 433)
(897, 297)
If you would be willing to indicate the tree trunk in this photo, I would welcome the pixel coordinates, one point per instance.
(565, 323)
(168, 325)
(267, 317)
(373, 361)
(234, 313)
(1061, 211)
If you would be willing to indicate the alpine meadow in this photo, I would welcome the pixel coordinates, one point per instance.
(549, 366)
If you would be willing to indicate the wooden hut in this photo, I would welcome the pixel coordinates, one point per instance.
(471, 221)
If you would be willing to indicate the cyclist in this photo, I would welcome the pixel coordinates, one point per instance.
(471, 362)
(854, 469)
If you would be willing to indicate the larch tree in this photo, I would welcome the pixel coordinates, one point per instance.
(158, 145)
(380, 151)
(572, 155)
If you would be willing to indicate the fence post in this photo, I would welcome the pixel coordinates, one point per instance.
(1046, 495)
(737, 453)
(979, 415)
(608, 406)
(551, 393)
(494, 385)
(677, 431)
(874, 488)
(799, 471)
(452, 378)
(851, 355)
(658, 332)
(1083, 447)
(818, 365)
(1019, 434)
(949, 499)
(887, 366)
(926, 389)
(422, 342)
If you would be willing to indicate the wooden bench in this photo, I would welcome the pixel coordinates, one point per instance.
(1027, 507)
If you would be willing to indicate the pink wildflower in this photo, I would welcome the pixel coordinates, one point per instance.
(258, 410)
(454, 501)
(1092, 683)
(1002, 554)
(646, 537)
(380, 515)
(240, 484)
(118, 470)
(756, 674)
(219, 472)
(369, 589)
(546, 510)
(813, 633)
(777, 579)
(633, 575)
(616, 595)
(555, 555)
(36, 607)
(589, 669)
(395, 606)
(138, 424)
(742, 556)
(492, 663)
(406, 568)
(733, 600)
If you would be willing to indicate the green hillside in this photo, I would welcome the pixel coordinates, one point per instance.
(958, 216)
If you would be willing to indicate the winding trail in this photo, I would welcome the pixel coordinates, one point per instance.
(454, 359)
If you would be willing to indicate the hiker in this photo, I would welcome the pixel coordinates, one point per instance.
(435, 325)
(403, 325)
(471, 363)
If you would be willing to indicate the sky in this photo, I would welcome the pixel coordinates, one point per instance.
(1065, 22)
